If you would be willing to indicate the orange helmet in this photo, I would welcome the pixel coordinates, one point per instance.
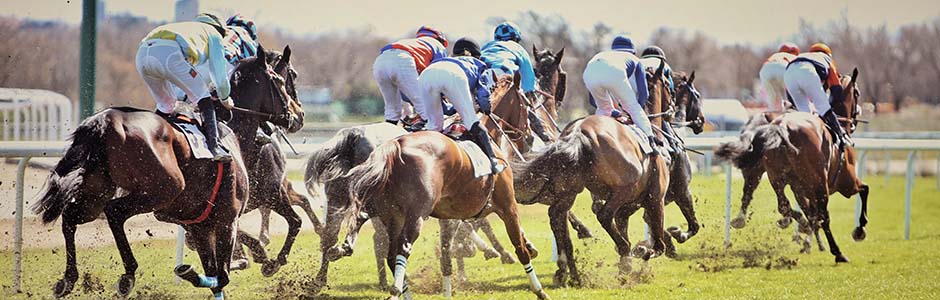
(820, 47)
(789, 48)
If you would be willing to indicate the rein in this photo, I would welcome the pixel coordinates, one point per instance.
(496, 118)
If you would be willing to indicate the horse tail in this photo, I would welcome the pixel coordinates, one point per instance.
(86, 153)
(745, 152)
(571, 154)
(334, 159)
(368, 180)
(773, 136)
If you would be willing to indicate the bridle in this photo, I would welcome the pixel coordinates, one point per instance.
(273, 79)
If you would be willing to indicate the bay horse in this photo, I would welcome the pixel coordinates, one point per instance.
(600, 154)
(797, 149)
(425, 174)
(140, 153)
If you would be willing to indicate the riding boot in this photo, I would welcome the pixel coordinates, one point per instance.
(211, 128)
(538, 127)
(838, 134)
(654, 144)
(671, 138)
(392, 122)
(264, 134)
(482, 139)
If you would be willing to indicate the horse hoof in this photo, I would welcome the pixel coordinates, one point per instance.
(859, 234)
(269, 268)
(533, 252)
(641, 252)
(783, 223)
(841, 259)
(560, 278)
(186, 272)
(490, 254)
(585, 234)
(335, 253)
(625, 266)
(671, 253)
(239, 264)
(62, 288)
(542, 295)
(125, 285)
(739, 222)
(507, 258)
(264, 240)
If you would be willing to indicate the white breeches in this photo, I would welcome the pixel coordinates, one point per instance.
(805, 86)
(449, 80)
(606, 83)
(396, 73)
(161, 64)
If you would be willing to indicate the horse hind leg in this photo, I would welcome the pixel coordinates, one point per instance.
(448, 230)
(752, 178)
(380, 242)
(118, 211)
(293, 224)
(264, 235)
(583, 231)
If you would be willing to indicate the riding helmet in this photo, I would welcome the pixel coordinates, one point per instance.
(241, 21)
(654, 51)
(623, 43)
(431, 32)
(820, 47)
(789, 48)
(467, 46)
(507, 31)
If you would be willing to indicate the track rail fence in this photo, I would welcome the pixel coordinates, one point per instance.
(27, 150)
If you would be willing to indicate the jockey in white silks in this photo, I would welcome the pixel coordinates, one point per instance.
(618, 75)
(397, 68)
(808, 77)
(461, 79)
(194, 57)
(771, 76)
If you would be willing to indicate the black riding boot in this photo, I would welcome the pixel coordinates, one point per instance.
(673, 143)
(538, 127)
(838, 134)
(482, 139)
(211, 128)
(654, 144)
(265, 134)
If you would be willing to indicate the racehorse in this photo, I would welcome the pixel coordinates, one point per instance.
(269, 187)
(797, 149)
(152, 163)
(600, 154)
(425, 174)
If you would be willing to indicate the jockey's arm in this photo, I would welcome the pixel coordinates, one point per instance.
(216, 60)
(639, 80)
(527, 72)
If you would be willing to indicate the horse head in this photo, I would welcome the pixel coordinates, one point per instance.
(658, 95)
(552, 79)
(846, 106)
(258, 87)
(688, 101)
(510, 113)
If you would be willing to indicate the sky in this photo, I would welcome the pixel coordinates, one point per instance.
(755, 22)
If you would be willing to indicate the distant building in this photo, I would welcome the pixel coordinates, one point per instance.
(186, 10)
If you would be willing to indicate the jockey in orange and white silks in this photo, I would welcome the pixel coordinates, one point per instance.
(807, 79)
(173, 55)
(771, 75)
(618, 75)
(397, 68)
(461, 79)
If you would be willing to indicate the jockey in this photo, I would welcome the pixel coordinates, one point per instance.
(653, 56)
(771, 75)
(506, 56)
(397, 68)
(245, 38)
(171, 54)
(462, 79)
(808, 77)
(619, 74)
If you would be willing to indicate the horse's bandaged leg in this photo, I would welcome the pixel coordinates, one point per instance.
(400, 264)
(478, 241)
(447, 285)
(219, 296)
(208, 282)
(533, 279)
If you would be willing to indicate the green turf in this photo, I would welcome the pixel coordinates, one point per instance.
(762, 262)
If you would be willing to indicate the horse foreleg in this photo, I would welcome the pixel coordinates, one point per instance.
(380, 249)
(824, 214)
(654, 214)
(577, 225)
(859, 233)
(448, 230)
(751, 181)
(487, 229)
(293, 228)
(224, 241)
(255, 246)
(507, 213)
(264, 234)
(622, 223)
(686, 205)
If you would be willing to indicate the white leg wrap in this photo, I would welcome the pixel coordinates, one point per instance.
(478, 241)
(447, 286)
(533, 279)
(400, 264)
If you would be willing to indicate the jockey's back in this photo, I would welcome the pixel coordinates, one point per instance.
(193, 38)
(425, 50)
(510, 57)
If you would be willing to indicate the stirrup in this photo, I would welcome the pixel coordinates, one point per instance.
(220, 155)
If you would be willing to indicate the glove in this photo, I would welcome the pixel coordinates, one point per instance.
(228, 103)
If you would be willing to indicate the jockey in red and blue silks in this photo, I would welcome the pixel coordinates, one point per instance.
(506, 56)
(461, 79)
(618, 75)
(397, 68)
(771, 75)
(808, 77)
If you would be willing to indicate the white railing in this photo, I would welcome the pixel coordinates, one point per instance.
(28, 150)
(35, 115)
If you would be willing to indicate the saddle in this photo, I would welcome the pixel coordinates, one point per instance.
(185, 120)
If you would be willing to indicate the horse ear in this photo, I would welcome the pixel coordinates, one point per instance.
(559, 56)
(286, 56)
(262, 57)
(659, 71)
(535, 52)
(284, 62)
(692, 77)
(854, 76)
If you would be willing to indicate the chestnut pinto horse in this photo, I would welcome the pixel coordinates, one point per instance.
(602, 155)
(797, 149)
(143, 155)
(422, 174)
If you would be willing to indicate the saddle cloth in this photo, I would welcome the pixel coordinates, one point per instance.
(188, 126)
(479, 160)
(641, 139)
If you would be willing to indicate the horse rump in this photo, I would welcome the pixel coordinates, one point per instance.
(86, 153)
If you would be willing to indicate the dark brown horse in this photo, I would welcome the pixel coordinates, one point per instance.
(143, 155)
(425, 174)
(797, 149)
(604, 156)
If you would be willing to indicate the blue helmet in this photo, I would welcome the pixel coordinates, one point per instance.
(507, 31)
(622, 43)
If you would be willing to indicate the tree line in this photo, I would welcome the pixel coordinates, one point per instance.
(897, 67)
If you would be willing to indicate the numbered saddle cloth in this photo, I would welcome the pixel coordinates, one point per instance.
(481, 162)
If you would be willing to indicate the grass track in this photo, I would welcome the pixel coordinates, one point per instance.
(762, 263)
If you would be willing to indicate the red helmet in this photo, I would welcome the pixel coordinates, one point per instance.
(789, 48)
(431, 32)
